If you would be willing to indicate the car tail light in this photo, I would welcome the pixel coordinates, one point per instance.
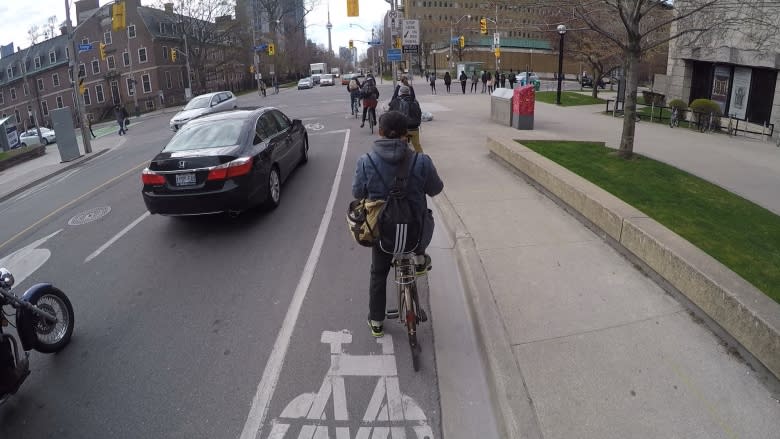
(152, 178)
(235, 168)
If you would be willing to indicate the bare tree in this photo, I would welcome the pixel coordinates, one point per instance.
(33, 33)
(51, 26)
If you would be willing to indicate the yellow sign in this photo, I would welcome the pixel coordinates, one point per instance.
(352, 8)
(118, 16)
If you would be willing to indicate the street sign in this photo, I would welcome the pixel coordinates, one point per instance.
(394, 55)
(84, 47)
(496, 40)
(261, 47)
(411, 32)
(395, 23)
(374, 43)
(411, 48)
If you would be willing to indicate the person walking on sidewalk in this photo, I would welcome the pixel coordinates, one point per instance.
(374, 174)
(463, 79)
(408, 106)
(512, 79)
(120, 114)
(490, 84)
(447, 81)
(89, 124)
(474, 81)
(484, 81)
(503, 79)
(433, 83)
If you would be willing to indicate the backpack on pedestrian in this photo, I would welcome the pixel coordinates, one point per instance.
(369, 90)
(411, 109)
(399, 225)
(353, 85)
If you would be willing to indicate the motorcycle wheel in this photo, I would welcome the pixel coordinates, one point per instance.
(50, 338)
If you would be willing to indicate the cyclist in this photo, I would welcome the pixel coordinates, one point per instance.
(353, 88)
(408, 106)
(370, 95)
(386, 153)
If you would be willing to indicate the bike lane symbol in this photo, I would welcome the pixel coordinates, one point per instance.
(389, 413)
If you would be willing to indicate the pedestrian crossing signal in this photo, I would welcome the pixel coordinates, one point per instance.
(483, 26)
(271, 50)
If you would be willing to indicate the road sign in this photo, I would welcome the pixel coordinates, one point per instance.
(395, 23)
(411, 32)
(261, 47)
(394, 55)
(496, 40)
(411, 48)
(84, 47)
(374, 43)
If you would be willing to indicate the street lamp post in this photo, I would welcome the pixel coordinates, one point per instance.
(451, 36)
(561, 31)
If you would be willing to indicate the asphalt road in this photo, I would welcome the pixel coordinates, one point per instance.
(214, 327)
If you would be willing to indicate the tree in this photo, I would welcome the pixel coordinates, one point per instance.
(599, 54)
(33, 33)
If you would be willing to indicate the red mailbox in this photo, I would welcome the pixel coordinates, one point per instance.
(523, 107)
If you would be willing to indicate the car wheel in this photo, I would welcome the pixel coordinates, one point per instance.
(305, 152)
(45, 141)
(273, 196)
(22, 145)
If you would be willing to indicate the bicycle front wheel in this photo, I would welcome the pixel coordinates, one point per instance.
(410, 314)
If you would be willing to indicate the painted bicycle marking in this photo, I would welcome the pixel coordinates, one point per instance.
(389, 414)
(315, 126)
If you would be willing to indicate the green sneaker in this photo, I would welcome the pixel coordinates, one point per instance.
(377, 329)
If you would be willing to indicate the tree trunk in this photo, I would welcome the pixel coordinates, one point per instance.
(629, 107)
(596, 80)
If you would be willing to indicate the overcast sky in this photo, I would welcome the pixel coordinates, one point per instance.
(19, 15)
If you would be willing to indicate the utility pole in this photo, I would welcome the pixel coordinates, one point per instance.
(77, 101)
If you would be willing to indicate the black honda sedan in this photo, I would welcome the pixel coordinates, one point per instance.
(225, 162)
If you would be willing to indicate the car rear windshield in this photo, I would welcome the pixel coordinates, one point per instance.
(198, 102)
(211, 134)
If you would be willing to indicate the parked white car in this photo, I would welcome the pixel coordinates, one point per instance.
(204, 104)
(520, 77)
(30, 137)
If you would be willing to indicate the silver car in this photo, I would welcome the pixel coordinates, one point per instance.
(327, 79)
(30, 137)
(204, 104)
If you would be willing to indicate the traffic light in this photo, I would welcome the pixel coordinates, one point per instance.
(102, 51)
(353, 8)
(498, 52)
(462, 41)
(118, 16)
(351, 44)
(271, 49)
(173, 54)
(251, 69)
(483, 26)
(82, 87)
(397, 44)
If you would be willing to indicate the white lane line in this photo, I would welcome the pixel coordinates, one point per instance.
(267, 385)
(116, 237)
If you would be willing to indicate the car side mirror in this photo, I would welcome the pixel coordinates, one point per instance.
(296, 122)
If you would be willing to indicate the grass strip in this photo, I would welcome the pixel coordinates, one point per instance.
(568, 98)
(740, 234)
(5, 155)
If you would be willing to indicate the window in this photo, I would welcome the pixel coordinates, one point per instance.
(2, 97)
(146, 80)
(87, 98)
(99, 93)
(67, 53)
(37, 62)
(55, 79)
(107, 37)
(95, 67)
(9, 73)
(131, 31)
(82, 70)
(85, 41)
(181, 79)
(25, 89)
(18, 119)
(130, 88)
(45, 107)
(59, 102)
(126, 58)
(142, 55)
(13, 94)
(283, 122)
(40, 84)
(52, 57)
(165, 52)
(111, 62)
(168, 82)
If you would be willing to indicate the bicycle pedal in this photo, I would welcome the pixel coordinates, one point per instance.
(422, 316)
(391, 314)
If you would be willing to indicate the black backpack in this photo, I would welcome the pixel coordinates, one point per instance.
(400, 225)
(368, 90)
(411, 109)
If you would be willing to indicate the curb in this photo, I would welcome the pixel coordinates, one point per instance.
(741, 310)
(69, 166)
(33, 153)
(510, 398)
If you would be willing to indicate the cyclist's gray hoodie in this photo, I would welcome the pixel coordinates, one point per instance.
(386, 154)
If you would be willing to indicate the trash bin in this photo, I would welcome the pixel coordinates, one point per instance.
(523, 104)
(501, 106)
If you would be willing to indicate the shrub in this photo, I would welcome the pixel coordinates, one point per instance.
(702, 108)
(679, 104)
(652, 98)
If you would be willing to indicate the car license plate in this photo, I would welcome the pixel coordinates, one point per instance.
(185, 179)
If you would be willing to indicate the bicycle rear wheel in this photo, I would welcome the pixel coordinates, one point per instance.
(410, 314)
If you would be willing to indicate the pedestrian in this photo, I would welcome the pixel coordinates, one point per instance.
(404, 81)
(447, 81)
(126, 117)
(512, 79)
(463, 79)
(433, 83)
(89, 124)
(119, 114)
(503, 79)
(409, 106)
(474, 81)
(374, 174)
(490, 83)
(484, 81)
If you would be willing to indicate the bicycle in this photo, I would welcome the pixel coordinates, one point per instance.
(372, 118)
(674, 119)
(411, 313)
(707, 126)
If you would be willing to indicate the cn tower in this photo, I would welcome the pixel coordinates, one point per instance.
(329, 26)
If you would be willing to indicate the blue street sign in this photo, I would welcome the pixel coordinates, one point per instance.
(455, 39)
(394, 55)
(261, 47)
(374, 43)
(85, 47)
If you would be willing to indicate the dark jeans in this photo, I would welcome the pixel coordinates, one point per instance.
(447, 86)
(474, 87)
(121, 124)
(377, 290)
(463, 86)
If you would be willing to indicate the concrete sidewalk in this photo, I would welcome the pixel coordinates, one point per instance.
(580, 343)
